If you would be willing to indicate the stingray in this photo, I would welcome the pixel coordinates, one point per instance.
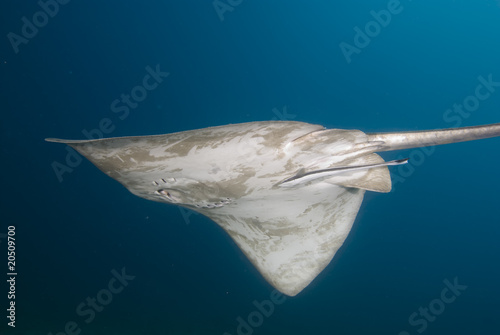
(286, 192)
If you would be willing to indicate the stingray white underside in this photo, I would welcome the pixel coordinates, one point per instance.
(290, 245)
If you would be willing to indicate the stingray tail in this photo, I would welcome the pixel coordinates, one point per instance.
(417, 139)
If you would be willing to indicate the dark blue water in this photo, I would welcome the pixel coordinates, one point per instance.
(179, 273)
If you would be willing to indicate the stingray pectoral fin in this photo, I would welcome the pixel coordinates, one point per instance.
(292, 236)
(302, 177)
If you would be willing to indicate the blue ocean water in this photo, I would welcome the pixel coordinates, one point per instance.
(421, 259)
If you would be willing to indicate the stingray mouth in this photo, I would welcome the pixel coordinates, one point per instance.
(216, 204)
(173, 196)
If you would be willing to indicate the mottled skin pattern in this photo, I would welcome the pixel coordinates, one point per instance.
(236, 175)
